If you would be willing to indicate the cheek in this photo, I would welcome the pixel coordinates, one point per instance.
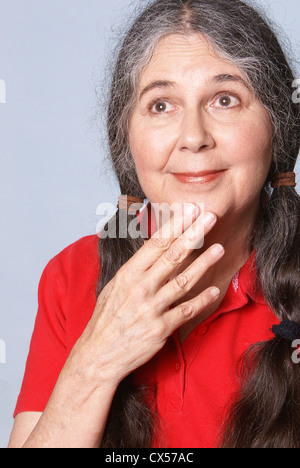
(151, 147)
(249, 145)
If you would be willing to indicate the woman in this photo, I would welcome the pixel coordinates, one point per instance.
(200, 112)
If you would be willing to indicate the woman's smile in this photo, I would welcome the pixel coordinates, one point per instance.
(199, 178)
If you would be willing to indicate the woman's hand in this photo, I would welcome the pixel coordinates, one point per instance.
(134, 315)
(131, 323)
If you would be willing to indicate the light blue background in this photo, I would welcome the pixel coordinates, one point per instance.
(52, 56)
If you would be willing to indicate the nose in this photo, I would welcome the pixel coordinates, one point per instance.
(195, 135)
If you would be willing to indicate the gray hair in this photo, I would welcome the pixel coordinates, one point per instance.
(267, 410)
(240, 40)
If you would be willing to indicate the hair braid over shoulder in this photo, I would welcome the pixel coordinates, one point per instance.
(266, 412)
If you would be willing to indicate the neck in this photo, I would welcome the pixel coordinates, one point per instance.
(234, 233)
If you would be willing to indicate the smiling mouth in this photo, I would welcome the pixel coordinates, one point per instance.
(198, 177)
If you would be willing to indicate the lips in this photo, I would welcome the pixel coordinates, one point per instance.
(201, 177)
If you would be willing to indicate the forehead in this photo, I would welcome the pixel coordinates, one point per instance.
(186, 56)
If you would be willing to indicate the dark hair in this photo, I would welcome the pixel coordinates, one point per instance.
(266, 412)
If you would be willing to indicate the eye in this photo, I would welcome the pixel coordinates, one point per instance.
(160, 107)
(226, 101)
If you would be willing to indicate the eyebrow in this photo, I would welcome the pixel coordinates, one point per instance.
(222, 78)
(227, 77)
(157, 84)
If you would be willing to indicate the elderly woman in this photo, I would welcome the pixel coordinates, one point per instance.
(137, 342)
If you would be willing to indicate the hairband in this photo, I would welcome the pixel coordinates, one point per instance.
(284, 179)
(131, 204)
(287, 329)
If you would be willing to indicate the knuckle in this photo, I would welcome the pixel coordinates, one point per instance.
(122, 278)
(159, 329)
(143, 290)
(193, 234)
(174, 254)
(145, 310)
(182, 282)
(128, 268)
(187, 310)
(161, 243)
(125, 274)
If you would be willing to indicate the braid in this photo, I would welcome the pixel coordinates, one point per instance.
(269, 399)
(129, 410)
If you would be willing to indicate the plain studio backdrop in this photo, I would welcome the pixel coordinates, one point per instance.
(53, 54)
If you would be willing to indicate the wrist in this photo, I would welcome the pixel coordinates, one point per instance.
(82, 371)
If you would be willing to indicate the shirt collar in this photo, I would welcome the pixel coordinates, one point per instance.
(246, 279)
(244, 285)
(147, 221)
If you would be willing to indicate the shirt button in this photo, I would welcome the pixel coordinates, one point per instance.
(203, 330)
(177, 366)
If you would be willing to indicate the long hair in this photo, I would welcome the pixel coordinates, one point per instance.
(266, 412)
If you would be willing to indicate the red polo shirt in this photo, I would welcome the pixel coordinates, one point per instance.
(194, 380)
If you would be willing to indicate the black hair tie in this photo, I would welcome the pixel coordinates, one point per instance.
(287, 329)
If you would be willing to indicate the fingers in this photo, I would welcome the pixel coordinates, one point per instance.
(186, 311)
(162, 240)
(181, 248)
(185, 281)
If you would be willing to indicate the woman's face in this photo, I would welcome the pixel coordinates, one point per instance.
(197, 132)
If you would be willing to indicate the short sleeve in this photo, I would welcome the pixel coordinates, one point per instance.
(48, 350)
(66, 301)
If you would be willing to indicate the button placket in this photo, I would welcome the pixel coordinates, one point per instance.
(177, 382)
(202, 330)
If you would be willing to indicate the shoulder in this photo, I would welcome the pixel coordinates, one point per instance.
(81, 250)
(74, 272)
(66, 301)
(67, 289)
(80, 255)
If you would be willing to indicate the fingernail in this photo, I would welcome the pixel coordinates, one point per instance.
(209, 218)
(190, 208)
(217, 250)
(215, 292)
